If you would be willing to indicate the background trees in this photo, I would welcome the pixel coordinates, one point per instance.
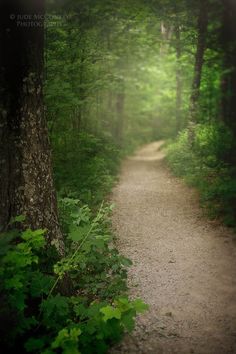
(207, 159)
(119, 75)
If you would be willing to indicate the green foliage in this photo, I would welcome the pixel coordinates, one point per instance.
(78, 304)
(206, 164)
(67, 340)
(85, 167)
(94, 118)
(94, 265)
(181, 157)
(109, 83)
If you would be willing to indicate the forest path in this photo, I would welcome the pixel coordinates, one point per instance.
(184, 266)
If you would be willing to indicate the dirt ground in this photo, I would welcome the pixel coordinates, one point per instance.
(184, 265)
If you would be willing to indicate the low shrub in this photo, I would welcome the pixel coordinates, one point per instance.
(206, 163)
(77, 304)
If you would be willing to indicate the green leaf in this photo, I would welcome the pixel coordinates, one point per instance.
(67, 340)
(140, 306)
(36, 238)
(15, 282)
(123, 304)
(18, 218)
(126, 261)
(110, 312)
(40, 284)
(55, 309)
(128, 320)
(78, 233)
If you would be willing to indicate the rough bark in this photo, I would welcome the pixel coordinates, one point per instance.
(26, 183)
(199, 57)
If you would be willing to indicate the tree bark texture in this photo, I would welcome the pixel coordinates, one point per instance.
(26, 183)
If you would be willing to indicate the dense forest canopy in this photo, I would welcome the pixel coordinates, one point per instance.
(83, 83)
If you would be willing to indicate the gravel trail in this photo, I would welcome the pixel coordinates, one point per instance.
(184, 265)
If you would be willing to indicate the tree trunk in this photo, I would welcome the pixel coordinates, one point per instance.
(228, 79)
(166, 34)
(199, 58)
(178, 80)
(26, 183)
(120, 101)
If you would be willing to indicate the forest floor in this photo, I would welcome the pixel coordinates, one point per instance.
(184, 265)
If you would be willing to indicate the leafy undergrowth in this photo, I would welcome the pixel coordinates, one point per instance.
(85, 167)
(206, 162)
(77, 304)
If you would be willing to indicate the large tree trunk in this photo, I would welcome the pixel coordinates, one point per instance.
(228, 80)
(199, 57)
(26, 183)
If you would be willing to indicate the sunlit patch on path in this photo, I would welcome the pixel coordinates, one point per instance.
(150, 152)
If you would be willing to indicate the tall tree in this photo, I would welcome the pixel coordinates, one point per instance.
(228, 79)
(178, 77)
(26, 185)
(199, 57)
(120, 102)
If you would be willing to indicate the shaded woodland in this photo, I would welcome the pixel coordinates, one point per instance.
(83, 84)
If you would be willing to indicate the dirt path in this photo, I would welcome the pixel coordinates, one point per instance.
(184, 264)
